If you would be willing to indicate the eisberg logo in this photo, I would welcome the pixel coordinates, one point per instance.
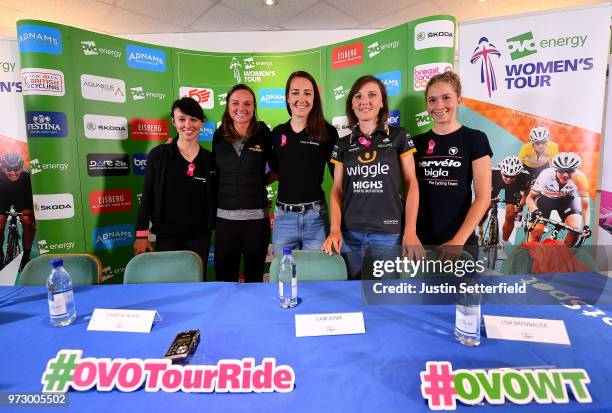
(111, 200)
(207, 131)
(46, 124)
(375, 48)
(44, 247)
(483, 54)
(204, 96)
(39, 39)
(35, 81)
(348, 55)
(53, 206)
(392, 82)
(113, 236)
(139, 162)
(90, 49)
(149, 129)
(145, 58)
(436, 33)
(394, 118)
(36, 166)
(102, 88)
(108, 164)
(105, 127)
(422, 73)
(422, 119)
(271, 98)
(138, 93)
(341, 125)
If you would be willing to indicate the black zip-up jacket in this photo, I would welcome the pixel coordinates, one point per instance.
(154, 181)
(242, 179)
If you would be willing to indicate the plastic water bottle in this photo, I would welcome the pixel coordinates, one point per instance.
(61, 297)
(287, 280)
(467, 320)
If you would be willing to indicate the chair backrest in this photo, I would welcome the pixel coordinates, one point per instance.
(313, 266)
(164, 267)
(85, 269)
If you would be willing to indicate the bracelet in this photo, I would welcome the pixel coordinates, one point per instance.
(143, 234)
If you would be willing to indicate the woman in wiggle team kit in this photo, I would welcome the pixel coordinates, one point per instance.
(436, 169)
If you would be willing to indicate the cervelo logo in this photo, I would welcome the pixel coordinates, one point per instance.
(139, 93)
(90, 48)
(110, 200)
(341, 125)
(422, 73)
(46, 124)
(44, 247)
(53, 206)
(394, 118)
(139, 161)
(101, 88)
(207, 131)
(204, 96)
(445, 163)
(524, 44)
(39, 39)
(113, 236)
(271, 98)
(36, 81)
(436, 33)
(36, 166)
(339, 92)
(392, 81)
(348, 55)
(145, 58)
(375, 48)
(105, 127)
(149, 129)
(108, 164)
(422, 119)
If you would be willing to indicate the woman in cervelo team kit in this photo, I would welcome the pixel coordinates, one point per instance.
(449, 158)
(302, 146)
(371, 164)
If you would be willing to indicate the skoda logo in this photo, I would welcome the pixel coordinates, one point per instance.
(421, 36)
(453, 151)
(91, 126)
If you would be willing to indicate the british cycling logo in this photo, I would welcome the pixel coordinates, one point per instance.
(145, 58)
(271, 98)
(113, 236)
(483, 54)
(204, 96)
(37, 81)
(46, 124)
(392, 81)
(39, 39)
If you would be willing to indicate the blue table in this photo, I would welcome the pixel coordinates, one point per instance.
(373, 372)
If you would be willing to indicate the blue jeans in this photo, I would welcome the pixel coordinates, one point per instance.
(299, 230)
(356, 241)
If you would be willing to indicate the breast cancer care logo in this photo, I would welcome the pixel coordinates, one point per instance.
(483, 54)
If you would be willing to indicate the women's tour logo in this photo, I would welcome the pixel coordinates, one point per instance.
(483, 53)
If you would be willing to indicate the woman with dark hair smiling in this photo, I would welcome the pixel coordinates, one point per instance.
(241, 149)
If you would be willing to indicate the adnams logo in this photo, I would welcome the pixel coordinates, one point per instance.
(44, 247)
(436, 33)
(348, 55)
(105, 127)
(91, 49)
(113, 236)
(46, 124)
(145, 58)
(422, 73)
(36, 166)
(392, 82)
(53, 206)
(39, 39)
(101, 88)
(271, 98)
(341, 125)
(139, 161)
(36, 81)
(207, 131)
(204, 96)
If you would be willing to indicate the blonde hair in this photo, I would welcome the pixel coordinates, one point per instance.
(451, 78)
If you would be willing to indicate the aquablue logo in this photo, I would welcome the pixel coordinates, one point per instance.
(39, 39)
(113, 236)
(139, 163)
(394, 118)
(207, 131)
(46, 124)
(392, 82)
(271, 98)
(145, 58)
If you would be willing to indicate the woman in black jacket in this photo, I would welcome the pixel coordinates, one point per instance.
(241, 149)
(178, 196)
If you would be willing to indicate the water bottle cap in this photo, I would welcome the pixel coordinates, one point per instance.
(57, 263)
(286, 250)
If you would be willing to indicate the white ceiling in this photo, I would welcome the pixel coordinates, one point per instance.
(185, 16)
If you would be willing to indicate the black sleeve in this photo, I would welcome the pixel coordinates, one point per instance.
(211, 190)
(479, 145)
(496, 181)
(330, 142)
(28, 201)
(148, 191)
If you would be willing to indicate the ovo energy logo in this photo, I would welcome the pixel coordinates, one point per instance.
(521, 46)
(482, 54)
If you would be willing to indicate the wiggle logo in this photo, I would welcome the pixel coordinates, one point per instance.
(369, 157)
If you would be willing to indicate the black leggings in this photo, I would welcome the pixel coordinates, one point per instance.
(233, 239)
(198, 245)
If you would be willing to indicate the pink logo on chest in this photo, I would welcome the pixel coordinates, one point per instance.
(431, 145)
(364, 141)
(190, 169)
(283, 140)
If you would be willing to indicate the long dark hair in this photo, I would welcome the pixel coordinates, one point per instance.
(227, 124)
(315, 123)
(359, 83)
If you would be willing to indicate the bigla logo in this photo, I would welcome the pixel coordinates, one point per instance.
(369, 157)
(521, 46)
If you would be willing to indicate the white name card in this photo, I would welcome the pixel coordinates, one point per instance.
(133, 321)
(330, 324)
(538, 330)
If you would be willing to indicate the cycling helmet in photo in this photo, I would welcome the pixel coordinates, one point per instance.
(511, 166)
(539, 134)
(566, 160)
(13, 161)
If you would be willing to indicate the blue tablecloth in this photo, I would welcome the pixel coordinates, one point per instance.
(373, 372)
